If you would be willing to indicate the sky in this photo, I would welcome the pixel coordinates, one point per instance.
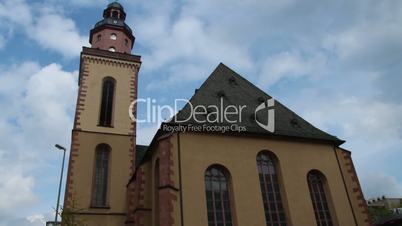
(335, 63)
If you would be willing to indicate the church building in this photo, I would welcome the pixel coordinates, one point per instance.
(259, 165)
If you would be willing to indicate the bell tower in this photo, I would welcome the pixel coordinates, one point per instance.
(103, 137)
(112, 33)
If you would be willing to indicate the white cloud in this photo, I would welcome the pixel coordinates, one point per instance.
(57, 33)
(37, 218)
(368, 43)
(50, 94)
(47, 26)
(379, 184)
(182, 73)
(291, 65)
(38, 102)
(33, 220)
(355, 117)
(86, 3)
(373, 39)
(21, 189)
(16, 11)
(13, 76)
(188, 39)
(173, 39)
(370, 126)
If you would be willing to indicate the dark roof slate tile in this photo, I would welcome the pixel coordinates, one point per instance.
(233, 89)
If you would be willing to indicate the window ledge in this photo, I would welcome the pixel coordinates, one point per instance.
(105, 126)
(99, 207)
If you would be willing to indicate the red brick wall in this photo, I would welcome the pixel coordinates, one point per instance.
(356, 193)
(138, 213)
(167, 196)
(74, 150)
(106, 42)
(135, 200)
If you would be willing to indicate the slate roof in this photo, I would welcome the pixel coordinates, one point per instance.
(115, 5)
(140, 151)
(225, 84)
(114, 23)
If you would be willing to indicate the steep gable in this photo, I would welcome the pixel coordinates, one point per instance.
(226, 87)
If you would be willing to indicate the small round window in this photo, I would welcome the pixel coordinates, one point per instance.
(112, 49)
(113, 36)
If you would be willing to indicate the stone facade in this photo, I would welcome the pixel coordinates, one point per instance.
(238, 154)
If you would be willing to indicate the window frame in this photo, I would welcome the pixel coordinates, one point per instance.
(228, 198)
(324, 195)
(272, 217)
(94, 195)
(104, 117)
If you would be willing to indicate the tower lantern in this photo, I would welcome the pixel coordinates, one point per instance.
(112, 33)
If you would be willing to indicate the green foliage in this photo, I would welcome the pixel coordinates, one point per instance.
(69, 216)
(377, 213)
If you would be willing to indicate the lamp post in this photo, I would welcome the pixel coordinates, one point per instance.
(61, 179)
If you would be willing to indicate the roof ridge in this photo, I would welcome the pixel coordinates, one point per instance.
(244, 79)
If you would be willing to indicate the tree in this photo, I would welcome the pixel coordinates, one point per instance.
(377, 213)
(69, 216)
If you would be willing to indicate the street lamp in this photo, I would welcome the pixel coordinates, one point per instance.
(61, 179)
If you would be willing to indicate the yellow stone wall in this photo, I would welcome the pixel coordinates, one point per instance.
(238, 155)
(87, 135)
(124, 74)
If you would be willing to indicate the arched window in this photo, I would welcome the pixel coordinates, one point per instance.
(218, 196)
(100, 180)
(106, 111)
(271, 194)
(156, 193)
(316, 183)
(112, 49)
(98, 37)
